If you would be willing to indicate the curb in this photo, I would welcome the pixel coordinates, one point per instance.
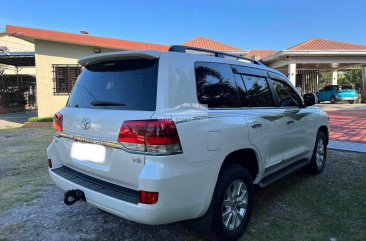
(347, 146)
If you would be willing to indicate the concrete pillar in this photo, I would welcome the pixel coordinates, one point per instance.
(334, 77)
(292, 73)
(363, 83)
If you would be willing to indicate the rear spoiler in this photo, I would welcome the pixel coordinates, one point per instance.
(120, 55)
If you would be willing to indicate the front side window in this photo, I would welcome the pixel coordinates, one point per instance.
(258, 92)
(64, 77)
(286, 96)
(216, 86)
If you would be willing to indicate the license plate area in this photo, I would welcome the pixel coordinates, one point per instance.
(86, 152)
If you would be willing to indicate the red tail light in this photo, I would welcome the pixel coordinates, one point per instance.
(152, 136)
(132, 135)
(149, 197)
(57, 122)
(49, 163)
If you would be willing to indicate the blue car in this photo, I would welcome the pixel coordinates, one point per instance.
(335, 93)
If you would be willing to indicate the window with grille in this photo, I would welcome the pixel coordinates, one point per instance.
(64, 77)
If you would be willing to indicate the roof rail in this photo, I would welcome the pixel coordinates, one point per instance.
(183, 49)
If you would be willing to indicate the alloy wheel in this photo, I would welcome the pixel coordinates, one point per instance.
(235, 203)
(320, 153)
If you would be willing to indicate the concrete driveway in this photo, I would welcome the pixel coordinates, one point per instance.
(12, 120)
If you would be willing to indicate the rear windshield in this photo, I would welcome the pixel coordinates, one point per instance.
(121, 85)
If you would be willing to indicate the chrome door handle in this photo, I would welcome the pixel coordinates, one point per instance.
(290, 122)
(256, 124)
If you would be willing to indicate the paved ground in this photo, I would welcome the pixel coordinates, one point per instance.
(347, 122)
(12, 120)
(348, 125)
(341, 106)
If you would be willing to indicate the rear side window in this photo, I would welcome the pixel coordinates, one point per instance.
(258, 91)
(121, 85)
(216, 86)
(328, 88)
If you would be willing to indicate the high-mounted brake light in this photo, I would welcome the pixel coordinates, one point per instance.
(149, 197)
(57, 122)
(151, 136)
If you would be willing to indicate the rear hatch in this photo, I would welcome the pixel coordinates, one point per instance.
(107, 93)
(347, 92)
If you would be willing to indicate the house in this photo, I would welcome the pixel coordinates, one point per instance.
(17, 74)
(56, 55)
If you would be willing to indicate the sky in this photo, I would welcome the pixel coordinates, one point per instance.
(246, 24)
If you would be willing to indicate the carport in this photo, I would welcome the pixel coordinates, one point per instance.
(16, 91)
(303, 63)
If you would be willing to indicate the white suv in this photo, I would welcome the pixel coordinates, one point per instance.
(160, 137)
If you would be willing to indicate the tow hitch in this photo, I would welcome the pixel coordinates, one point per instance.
(72, 196)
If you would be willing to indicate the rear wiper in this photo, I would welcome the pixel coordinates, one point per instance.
(106, 103)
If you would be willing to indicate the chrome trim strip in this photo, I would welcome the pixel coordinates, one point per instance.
(273, 166)
(88, 140)
(116, 145)
(285, 161)
(296, 156)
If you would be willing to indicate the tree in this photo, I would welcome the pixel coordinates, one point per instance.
(325, 78)
(351, 77)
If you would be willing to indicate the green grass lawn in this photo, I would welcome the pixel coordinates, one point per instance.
(40, 119)
(300, 207)
(23, 165)
(306, 207)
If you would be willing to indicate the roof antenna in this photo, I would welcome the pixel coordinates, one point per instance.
(85, 33)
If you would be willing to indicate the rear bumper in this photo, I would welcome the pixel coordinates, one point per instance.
(185, 190)
(141, 213)
(94, 184)
(340, 98)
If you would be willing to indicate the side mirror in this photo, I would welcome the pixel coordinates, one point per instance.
(310, 99)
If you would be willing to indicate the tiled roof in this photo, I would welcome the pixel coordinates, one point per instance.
(326, 45)
(81, 39)
(205, 43)
(259, 54)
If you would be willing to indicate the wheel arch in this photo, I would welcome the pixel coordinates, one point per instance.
(325, 130)
(246, 158)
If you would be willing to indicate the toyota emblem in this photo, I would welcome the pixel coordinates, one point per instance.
(85, 124)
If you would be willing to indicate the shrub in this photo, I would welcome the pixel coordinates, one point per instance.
(40, 119)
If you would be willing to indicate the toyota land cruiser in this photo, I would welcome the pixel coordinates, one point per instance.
(160, 137)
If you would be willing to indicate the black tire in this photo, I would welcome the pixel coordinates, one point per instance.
(230, 175)
(351, 101)
(333, 100)
(317, 166)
